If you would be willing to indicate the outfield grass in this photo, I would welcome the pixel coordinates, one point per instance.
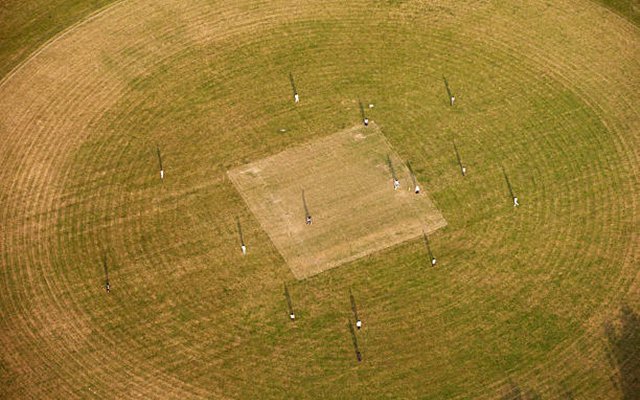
(628, 8)
(541, 300)
(27, 25)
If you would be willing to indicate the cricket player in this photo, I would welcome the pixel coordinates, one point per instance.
(396, 184)
(515, 202)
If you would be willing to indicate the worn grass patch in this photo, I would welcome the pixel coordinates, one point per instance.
(344, 182)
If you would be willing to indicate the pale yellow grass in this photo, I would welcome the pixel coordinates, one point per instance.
(349, 192)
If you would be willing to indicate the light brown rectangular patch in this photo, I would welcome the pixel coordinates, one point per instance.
(349, 192)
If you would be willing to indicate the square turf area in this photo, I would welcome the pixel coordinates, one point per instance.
(346, 182)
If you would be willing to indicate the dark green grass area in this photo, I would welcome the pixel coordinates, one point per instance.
(628, 8)
(26, 25)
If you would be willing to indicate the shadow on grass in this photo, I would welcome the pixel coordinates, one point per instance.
(288, 297)
(307, 215)
(354, 339)
(624, 351)
(240, 231)
(354, 309)
(515, 392)
(392, 170)
(362, 114)
(506, 179)
(293, 84)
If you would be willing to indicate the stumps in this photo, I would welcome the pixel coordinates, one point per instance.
(511, 193)
(452, 98)
(354, 339)
(107, 285)
(296, 97)
(243, 247)
(396, 182)
(160, 163)
(292, 315)
(307, 214)
(463, 169)
(416, 189)
(431, 256)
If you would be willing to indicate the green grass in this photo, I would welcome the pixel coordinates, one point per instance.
(628, 8)
(518, 302)
(26, 25)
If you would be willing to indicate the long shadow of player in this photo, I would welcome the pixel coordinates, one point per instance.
(354, 339)
(292, 315)
(107, 285)
(511, 193)
(365, 120)
(307, 214)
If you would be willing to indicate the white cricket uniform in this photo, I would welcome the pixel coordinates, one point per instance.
(244, 250)
(417, 189)
(464, 171)
(366, 122)
(433, 261)
(161, 174)
(358, 324)
(515, 202)
(396, 184)
(452, 99)
(296, 98)
(292, 316)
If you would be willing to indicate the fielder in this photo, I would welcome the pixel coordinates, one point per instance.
(358, 324)
(162, 174)
(396, 184)
(515, 202)
(296, 98)
(417, 190)
(244, 250)
(366, 121)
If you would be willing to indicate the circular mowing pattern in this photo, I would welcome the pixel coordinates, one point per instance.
(518, 292)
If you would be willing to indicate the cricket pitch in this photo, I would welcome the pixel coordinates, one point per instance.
(348, 189)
